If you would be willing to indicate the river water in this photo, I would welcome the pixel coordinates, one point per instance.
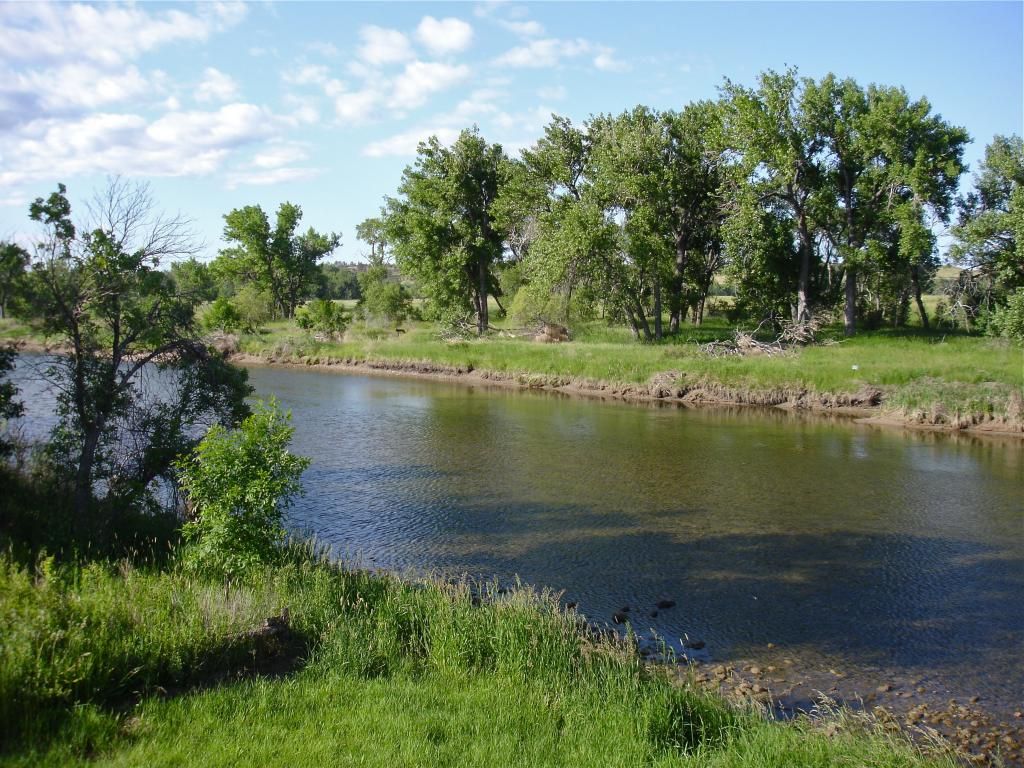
(858, 554)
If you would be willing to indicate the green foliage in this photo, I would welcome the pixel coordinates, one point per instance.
(384, 300)
(1008, 321)
(338, 282)
(322, 316)
(239, 483)
(9, 407)
(99, 291)
(194, 280)
(221, 315)
(255, 306)
(14, 261)
(276, 259)
(990, 228)
(442, 227)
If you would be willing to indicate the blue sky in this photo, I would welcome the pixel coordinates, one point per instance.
(219, 105)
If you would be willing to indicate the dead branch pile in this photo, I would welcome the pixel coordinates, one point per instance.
(745, 343)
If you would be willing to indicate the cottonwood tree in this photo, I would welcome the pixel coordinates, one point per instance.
(779, 150)
(990, 224)
(442, 227)
(136, 381)
(276, 259)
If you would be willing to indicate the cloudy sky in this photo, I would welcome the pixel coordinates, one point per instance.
(220, 105)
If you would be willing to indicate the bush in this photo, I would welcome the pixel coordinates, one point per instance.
(321, 315)
(239, 483)
(1008, 321)
(221, 315)
(255, 306)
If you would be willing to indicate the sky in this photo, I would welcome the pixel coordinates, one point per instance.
(221, 105)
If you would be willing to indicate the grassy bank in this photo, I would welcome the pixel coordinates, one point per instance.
(109, 664)
(931, 378)
(954, 380)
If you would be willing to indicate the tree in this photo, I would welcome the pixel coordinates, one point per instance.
(371, 231)
(13, 261)
(276, 259)
(136, 379)
(338, 282)
(194, 279)
(779, 151)
(990, 225)
(239, 483)
(9, 407)
(442, 227)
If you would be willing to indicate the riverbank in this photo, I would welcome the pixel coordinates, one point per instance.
(988, 408)
(308, 663)
(914, 379)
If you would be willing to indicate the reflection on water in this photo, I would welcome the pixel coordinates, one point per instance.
(886, 550)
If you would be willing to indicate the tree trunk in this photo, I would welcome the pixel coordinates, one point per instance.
(481, 315)
(83, 483)
(675, 301)
(850, 311)
(803, 311)
(915, 277)
(657, 308)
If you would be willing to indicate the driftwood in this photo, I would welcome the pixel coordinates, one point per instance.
(746, 343)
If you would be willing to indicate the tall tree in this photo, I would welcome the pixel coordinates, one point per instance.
(98, 289)
(442, 226)
(276, 258)
(990, 225)
(780, 157)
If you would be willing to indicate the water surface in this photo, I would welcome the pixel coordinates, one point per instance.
(860, 552)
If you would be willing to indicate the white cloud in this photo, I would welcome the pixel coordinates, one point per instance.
(270, 177)
(383, 46)
(444, 36)
(279, 154)
(523, 28)
(216, 86)
(552, 92)
(311, 74)
(356, 106)
(404, 144)
(531, 121)
(606, 61)
(176, 144)
(543, 53)
(68, 88)
(107, 35)
(422, 78)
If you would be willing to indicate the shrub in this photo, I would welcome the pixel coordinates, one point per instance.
(239, 483)
(256, 307)
(1008, 321)
(321, 315)
(221, 315)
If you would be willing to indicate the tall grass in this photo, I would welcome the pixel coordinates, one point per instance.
(112, 664)
(916, 372)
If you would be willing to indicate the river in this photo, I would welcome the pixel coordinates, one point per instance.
(855, 555)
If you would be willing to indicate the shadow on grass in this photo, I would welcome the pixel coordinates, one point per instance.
(274, 650)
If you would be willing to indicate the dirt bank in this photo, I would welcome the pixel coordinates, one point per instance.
(865, 406)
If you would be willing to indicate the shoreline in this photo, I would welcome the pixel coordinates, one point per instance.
(670, 388)
(864, 407)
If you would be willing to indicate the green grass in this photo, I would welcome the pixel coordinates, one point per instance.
(389, 673)
(973, 377)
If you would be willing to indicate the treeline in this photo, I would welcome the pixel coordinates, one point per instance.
(808, 197)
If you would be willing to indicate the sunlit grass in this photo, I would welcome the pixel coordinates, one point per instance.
(916, 371)
(390, 673)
